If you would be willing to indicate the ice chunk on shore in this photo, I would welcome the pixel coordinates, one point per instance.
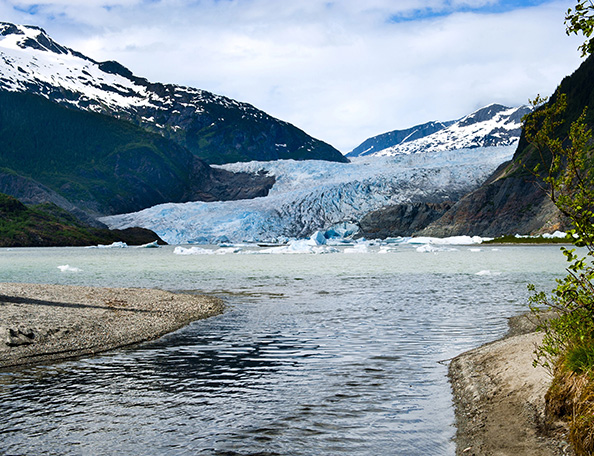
(555, 235)
(453, 240)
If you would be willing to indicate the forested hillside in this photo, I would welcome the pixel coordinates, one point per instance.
(48, 225)
(104, 165)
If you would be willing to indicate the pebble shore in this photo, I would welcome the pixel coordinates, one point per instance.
(47, 323)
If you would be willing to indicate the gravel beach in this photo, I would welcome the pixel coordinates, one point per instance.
(499, 398)
(44, 323)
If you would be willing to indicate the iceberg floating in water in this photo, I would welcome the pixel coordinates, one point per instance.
(318, 244)
(150, 245)
(68, 268)
(200, 251)
(359, 248)
(114, 245)
(486, 272)
(308, 246)
(318, 238)
(192, 251)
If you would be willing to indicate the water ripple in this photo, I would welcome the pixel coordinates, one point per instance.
(345, 361)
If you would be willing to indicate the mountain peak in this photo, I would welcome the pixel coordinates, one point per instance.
(483, 114)
(29, 36)
(215, 128)
(397, 138)
(492, 125)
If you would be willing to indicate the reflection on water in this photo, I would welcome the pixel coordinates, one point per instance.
(343, 361)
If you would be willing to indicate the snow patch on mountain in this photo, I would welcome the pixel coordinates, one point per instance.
(493, 125)
(30, 61)
(33, 62)
(316, 195)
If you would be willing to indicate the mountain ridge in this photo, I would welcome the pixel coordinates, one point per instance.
(213, 127)
(396, 137)
(101, 165)
(492, 125)
(513, 200)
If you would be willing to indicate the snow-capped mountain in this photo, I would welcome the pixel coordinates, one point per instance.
(215, 128)
(395, 138)
(314, 195)
(493, 125)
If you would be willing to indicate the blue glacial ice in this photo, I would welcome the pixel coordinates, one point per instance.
(318, 196)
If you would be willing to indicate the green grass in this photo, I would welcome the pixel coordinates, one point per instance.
(527, 240)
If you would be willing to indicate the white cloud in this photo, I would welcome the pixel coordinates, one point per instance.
(341, 70)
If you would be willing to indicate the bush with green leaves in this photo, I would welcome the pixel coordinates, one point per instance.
(567, 169)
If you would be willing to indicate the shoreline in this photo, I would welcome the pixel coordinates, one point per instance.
(42, 323)
(498, 395)
(499, 398)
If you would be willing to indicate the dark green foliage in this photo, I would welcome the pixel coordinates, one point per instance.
(230, 136)
(568, 176)
(578, 91)
(47, 225)
(88, 157)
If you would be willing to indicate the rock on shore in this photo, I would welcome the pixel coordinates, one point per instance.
(41, 323)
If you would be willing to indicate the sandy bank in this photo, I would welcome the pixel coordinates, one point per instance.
(499, 399)
(40, 323)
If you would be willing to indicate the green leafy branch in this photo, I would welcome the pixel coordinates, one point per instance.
(581, 20)
(566, 166)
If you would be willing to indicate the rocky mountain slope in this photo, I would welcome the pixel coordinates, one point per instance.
(95, 164)
(395, 138)
(214, 128)
(493, 125)
(512, 200)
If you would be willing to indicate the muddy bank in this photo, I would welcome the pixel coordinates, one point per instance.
(499, 398)
(41, 323)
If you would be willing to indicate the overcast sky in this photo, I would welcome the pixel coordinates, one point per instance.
(342, 70)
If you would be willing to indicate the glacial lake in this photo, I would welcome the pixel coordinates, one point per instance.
(342, 353)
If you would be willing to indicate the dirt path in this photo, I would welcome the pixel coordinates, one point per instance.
(41, 323)
(499, 400)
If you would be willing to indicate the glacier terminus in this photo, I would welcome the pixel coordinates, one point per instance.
(313, 195)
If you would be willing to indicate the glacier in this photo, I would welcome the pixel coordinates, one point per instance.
(312, 195)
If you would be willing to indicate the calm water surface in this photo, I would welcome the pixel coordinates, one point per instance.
(316, 354)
